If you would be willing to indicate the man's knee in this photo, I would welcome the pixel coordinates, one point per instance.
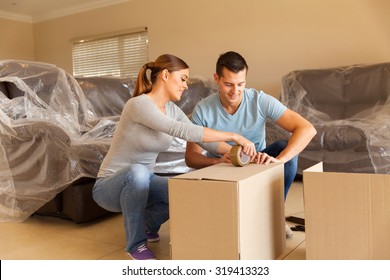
(280, 145)
(290, 167)
(275, 148)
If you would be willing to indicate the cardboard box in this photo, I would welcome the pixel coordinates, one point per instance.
(347, 215)
(227, 212)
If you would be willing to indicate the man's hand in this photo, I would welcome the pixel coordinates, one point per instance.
(226, 158)
(263, 158)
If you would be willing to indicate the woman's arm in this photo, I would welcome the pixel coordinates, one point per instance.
(194, 157)
(211, 135)
(143, 110)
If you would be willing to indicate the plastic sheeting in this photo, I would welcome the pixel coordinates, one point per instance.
(50, 136)
(55, 130)
(350, 108)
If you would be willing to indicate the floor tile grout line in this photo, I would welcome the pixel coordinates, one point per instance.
(293, 249)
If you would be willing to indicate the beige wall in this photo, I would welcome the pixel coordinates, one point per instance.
(274, 36)
(16, 40)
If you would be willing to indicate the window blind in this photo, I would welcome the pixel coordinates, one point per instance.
(116, 55)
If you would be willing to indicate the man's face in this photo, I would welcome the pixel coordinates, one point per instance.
(231, 86)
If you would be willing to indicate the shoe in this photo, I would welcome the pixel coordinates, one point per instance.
(152, 237)
(142, 253)
(289, 232)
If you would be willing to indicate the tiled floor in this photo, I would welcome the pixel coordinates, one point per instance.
(44, 238)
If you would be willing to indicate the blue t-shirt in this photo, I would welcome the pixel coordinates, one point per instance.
(249, 120)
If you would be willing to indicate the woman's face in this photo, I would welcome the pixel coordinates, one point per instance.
(177, 83)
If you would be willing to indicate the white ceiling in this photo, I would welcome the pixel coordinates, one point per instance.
(38, 10)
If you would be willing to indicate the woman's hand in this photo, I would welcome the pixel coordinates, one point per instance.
(248, 147)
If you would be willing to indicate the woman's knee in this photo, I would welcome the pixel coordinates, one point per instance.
(138, 176)
(105, 197)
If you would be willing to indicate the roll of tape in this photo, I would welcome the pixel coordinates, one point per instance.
(237, 157)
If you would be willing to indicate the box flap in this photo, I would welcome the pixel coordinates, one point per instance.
(315, 168)
(226, 172)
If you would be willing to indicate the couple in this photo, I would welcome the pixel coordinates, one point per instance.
(149, 121)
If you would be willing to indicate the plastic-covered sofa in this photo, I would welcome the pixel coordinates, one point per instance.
(50, 139)
(350, 109)
(106, 97)
(54, 133)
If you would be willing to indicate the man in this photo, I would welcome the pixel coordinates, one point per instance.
(245, 111)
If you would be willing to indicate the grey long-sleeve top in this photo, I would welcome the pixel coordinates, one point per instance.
(144, 131)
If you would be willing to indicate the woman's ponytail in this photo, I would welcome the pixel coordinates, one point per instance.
(143, 84)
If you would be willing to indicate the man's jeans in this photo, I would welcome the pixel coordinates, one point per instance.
(290, 167)
(141, 196)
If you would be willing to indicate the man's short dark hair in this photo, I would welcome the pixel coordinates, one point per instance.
(233, 61)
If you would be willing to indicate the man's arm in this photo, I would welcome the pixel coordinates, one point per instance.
(302, 133)
(195, 159)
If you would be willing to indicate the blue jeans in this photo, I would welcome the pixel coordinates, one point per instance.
(290, 167)
(140, 195)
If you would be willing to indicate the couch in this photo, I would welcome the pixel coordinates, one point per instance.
(350, 109)
(54, 133)
(106, 97)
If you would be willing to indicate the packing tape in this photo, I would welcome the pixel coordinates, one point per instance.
(237, 157)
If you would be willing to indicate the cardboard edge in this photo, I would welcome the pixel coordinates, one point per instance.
(319, 167)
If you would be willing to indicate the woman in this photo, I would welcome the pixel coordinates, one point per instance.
(149, 121)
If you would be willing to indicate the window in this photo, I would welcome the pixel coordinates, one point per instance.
(116, 55)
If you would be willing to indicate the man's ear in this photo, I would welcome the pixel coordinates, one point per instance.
(216, 77)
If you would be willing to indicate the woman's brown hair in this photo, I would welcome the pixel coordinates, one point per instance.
(166, 61)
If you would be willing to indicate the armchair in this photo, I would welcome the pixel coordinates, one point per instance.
(51, 138)
(350, 108)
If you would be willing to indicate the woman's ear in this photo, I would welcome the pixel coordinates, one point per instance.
(164, 75)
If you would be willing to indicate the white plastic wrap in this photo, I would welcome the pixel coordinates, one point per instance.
(49, 136)
(350, 108)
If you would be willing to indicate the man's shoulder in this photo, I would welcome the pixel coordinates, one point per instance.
(208, 101)
(254, 92)
(259, 95)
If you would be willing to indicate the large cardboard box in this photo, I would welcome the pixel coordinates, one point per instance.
(227, 212)
(347, 215)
